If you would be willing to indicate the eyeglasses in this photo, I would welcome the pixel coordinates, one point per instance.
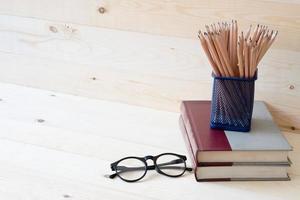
(132, 169)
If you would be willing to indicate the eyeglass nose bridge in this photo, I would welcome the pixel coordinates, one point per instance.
(148, 157)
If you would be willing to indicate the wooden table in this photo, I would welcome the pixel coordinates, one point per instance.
(58, 146)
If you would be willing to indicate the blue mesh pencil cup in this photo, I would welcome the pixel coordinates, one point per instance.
(232, 103)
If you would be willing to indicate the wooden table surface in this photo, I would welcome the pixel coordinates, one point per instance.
(58, 146)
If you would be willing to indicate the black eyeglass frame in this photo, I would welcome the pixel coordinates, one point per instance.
(150, 167)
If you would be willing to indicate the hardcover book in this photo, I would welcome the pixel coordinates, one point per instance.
(225, 152)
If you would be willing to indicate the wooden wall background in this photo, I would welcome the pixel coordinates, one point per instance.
(143, 52)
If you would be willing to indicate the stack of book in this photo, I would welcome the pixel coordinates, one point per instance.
(218, 155)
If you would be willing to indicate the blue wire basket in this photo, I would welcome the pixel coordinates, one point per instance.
(232, 103)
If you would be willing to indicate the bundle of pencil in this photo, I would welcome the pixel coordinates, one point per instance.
(234, 55)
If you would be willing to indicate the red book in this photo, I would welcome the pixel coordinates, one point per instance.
(216, 152)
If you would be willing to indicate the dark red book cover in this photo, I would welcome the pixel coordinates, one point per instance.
(196, 117)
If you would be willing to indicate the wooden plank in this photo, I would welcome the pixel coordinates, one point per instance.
(172, 18)
(115, 120)
(59, 158)
(135, 68)
(18, 182)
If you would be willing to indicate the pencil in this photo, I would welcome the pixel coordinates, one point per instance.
(246, 60)
(224, 56)
(214, 54)
(231, 54)
(219, 53)
(206, 50)
(240, 60)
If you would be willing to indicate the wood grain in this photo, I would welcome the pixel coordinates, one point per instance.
(172, 18)
(67, 154)
(134, 68)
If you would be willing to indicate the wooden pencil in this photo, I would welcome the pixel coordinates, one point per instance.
(235, 39)
(222, 61)
(251, 57)
(254, 61)
(248, 33)
(246, 59)
(234, 55)
(240, 60)
(206, 50)
(213, 51)
(224, 56)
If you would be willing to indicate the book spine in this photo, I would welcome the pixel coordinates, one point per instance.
(187, 143)
(189, 132)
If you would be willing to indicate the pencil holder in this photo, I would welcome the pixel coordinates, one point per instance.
(232, 103)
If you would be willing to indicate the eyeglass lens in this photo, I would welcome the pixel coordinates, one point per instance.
(171, 165)
(131, 169)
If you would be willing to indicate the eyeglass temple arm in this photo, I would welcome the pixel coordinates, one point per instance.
(128, 169)
(177, 161)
